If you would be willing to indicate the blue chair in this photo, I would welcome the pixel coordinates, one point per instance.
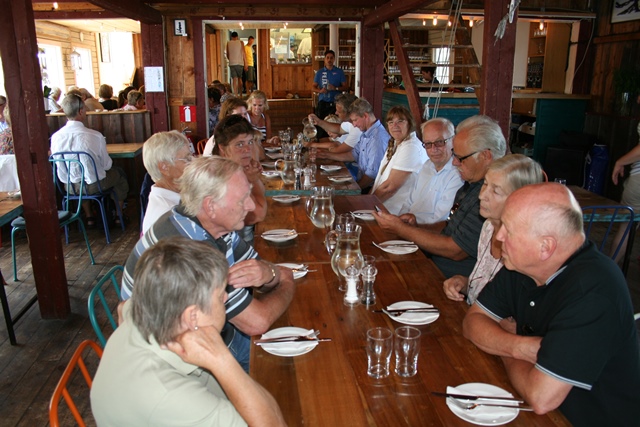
(609, 215)
(101, 196)
(109, 280)
(65, 217)
(145, 190)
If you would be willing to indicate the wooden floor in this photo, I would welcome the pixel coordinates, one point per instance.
(30, 370)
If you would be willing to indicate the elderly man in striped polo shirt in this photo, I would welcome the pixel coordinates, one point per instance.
(453, 243)
(215, 198)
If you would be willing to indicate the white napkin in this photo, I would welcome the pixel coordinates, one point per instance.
(486, 412)
(289, 346)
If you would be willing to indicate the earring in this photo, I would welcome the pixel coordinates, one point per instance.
(195, 328)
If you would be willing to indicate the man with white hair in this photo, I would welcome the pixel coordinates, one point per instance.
(453, 243)
(215, 199)
(573, 342)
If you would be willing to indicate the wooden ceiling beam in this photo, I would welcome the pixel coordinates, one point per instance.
(393, 9)
(135, 10)
(104, 14)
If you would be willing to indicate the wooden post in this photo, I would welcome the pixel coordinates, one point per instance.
(202, 102)
(410, 87)
(372, 66)
(18, 49)
(152, 37)
(497, 65)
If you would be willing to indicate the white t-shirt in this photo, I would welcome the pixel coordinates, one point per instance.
(409, 157)
(352, 132)
(161, 201)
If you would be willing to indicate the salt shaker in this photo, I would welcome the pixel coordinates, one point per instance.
(351, 275)
(368, 296)
(307, 177)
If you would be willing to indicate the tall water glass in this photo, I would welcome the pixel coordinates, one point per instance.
(407, 348)
(379, 347)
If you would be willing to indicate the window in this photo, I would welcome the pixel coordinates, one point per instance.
(50, 58)
(84, 71)
(441, 56)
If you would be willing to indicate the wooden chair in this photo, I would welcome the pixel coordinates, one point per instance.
(200, 146)
(102, 196)
(608, 216)
(61, 389)
(99, 291)
(65, 216)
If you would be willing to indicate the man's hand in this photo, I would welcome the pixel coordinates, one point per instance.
(409, 218)
(198, 347)
(251, 273)
(388, 222)
(618, 172)
(453, 287)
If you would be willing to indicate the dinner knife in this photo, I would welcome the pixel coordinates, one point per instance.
(474, 397)
(409, 310)
(302, 339)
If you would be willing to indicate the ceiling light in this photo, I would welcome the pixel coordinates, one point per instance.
(449, 23)
(424, 22)
(55, 5)
(470, 22)
(435, 20)
(541, 24)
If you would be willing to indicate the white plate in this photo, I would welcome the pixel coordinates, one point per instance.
(364, 214)
(399, 250)
(340, 180)
(286, 199)
(272, 149)
(268, 164)
(330, 168)
(413, 318)
(289, 349)
(296, 274)
(275, 156)
(279, 235)
(483, 415)
(271, 174)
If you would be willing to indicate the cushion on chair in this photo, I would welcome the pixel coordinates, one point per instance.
(18, 222)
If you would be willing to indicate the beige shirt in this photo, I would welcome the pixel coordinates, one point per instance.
(139, 384)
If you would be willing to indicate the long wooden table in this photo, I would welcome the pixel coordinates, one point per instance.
(275, 186)
(329, 386)
(10, 208)
(127, 150)
(128, 155)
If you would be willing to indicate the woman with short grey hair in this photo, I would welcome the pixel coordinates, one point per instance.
(504, 176)
(167, 363)
(165, 155)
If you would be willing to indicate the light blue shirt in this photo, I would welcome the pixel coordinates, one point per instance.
(433, 194)
(370, 150)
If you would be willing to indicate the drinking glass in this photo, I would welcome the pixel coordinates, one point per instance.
(407, 348)
(379, 347)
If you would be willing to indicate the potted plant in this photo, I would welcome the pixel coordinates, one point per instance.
(46, 91)
(627, 83)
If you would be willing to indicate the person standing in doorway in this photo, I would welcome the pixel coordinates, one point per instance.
(251, 69)
(237, 62)
(328, 82)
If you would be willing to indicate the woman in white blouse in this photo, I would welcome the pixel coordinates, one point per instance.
(402, 162)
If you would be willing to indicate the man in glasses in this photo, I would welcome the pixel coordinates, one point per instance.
(74, 136)
(573, 343)
(453, 243)
(438, 181)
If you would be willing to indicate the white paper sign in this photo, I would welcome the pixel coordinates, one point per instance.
(153, 79)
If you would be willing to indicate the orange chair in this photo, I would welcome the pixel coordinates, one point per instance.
(200, 146)
(61, 388)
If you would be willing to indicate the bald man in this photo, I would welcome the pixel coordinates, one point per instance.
(573, 344)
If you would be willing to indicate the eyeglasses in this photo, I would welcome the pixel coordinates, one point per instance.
(396, 122)
(463, 158)
(187, 159)
(437, 143)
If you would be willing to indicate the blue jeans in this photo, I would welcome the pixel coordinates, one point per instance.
(240, 346)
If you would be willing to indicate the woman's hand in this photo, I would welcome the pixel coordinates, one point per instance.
(253, 171)
(454, 286)
(618, 172)
(198, 347)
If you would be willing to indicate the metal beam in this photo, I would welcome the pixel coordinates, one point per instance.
(132, 9)
(393, 9)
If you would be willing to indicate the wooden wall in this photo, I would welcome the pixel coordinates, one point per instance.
(68, 38)
(613, 46)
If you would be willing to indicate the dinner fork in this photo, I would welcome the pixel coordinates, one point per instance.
(468, 406)
(311, 336)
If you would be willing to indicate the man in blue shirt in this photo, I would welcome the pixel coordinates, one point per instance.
(328, 82)
(371, 147)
